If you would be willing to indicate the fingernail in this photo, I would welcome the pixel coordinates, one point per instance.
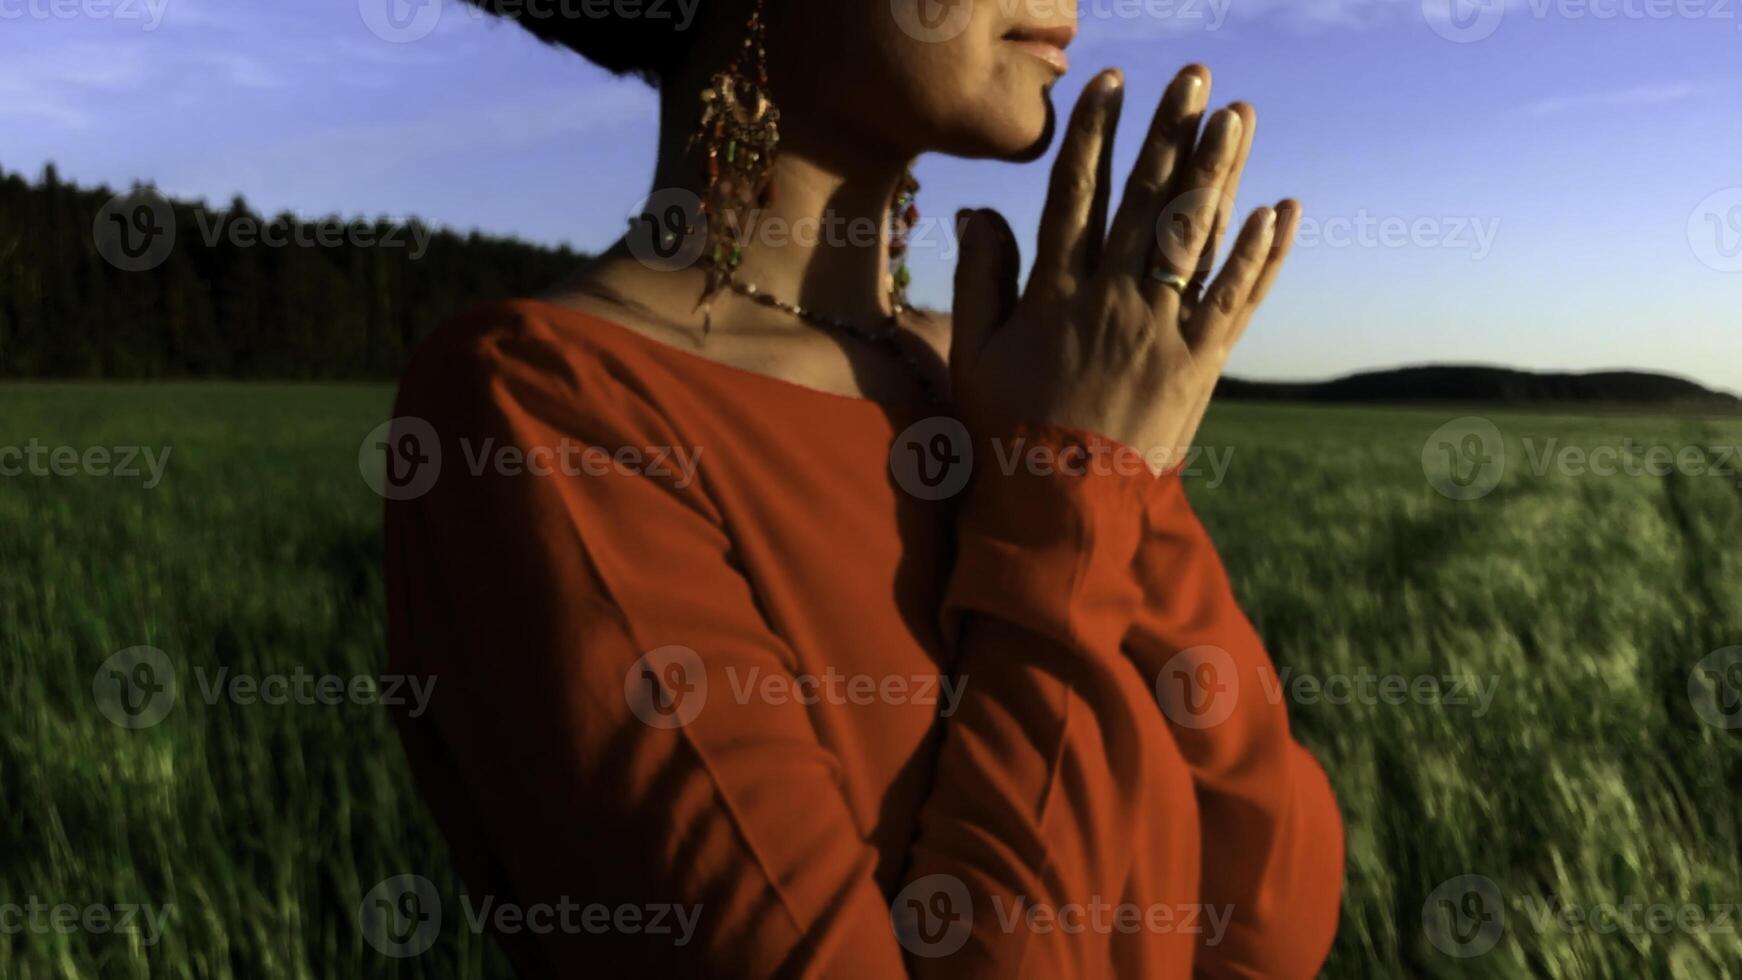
(1191, 92)
(1267, 219)
(1111, 92)
(1220, 135)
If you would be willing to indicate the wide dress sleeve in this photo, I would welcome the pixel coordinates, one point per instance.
(1273, 845)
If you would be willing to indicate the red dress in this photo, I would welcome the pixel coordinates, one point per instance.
(700, 658)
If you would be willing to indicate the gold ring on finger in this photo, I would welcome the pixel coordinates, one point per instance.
(1172, 280)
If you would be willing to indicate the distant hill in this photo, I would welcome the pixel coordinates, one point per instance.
(1449, 383)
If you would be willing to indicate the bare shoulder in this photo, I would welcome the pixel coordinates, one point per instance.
(626, 315)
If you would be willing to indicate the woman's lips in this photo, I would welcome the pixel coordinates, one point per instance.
(1050, 53)
(1046, 43)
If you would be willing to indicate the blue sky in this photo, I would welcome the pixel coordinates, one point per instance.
(1547, 184)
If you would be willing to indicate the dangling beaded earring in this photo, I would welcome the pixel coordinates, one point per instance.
(903, 215)
(740, 128)
(739, 131)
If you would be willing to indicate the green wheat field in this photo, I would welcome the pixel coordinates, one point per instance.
(1529, 701)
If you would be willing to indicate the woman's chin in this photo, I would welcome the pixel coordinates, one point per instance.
(1017, 136)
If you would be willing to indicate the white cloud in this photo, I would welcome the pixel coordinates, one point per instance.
(1639, 95)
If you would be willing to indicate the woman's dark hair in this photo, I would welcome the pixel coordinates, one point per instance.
(640, 37)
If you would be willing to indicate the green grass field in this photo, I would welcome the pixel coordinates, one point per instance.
(1556, 733)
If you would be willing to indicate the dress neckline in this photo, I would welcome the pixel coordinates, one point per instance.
(549, 310)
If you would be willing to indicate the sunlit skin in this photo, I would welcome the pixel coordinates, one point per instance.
(1091, 341)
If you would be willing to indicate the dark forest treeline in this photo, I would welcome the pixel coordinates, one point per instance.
(345, 299)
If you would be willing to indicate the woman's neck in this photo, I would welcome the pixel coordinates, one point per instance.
(821, 242)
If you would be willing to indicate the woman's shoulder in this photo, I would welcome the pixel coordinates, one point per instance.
(578, 356)
(493, 338)
(521, 354)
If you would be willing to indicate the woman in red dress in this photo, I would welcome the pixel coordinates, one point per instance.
(785, 630)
